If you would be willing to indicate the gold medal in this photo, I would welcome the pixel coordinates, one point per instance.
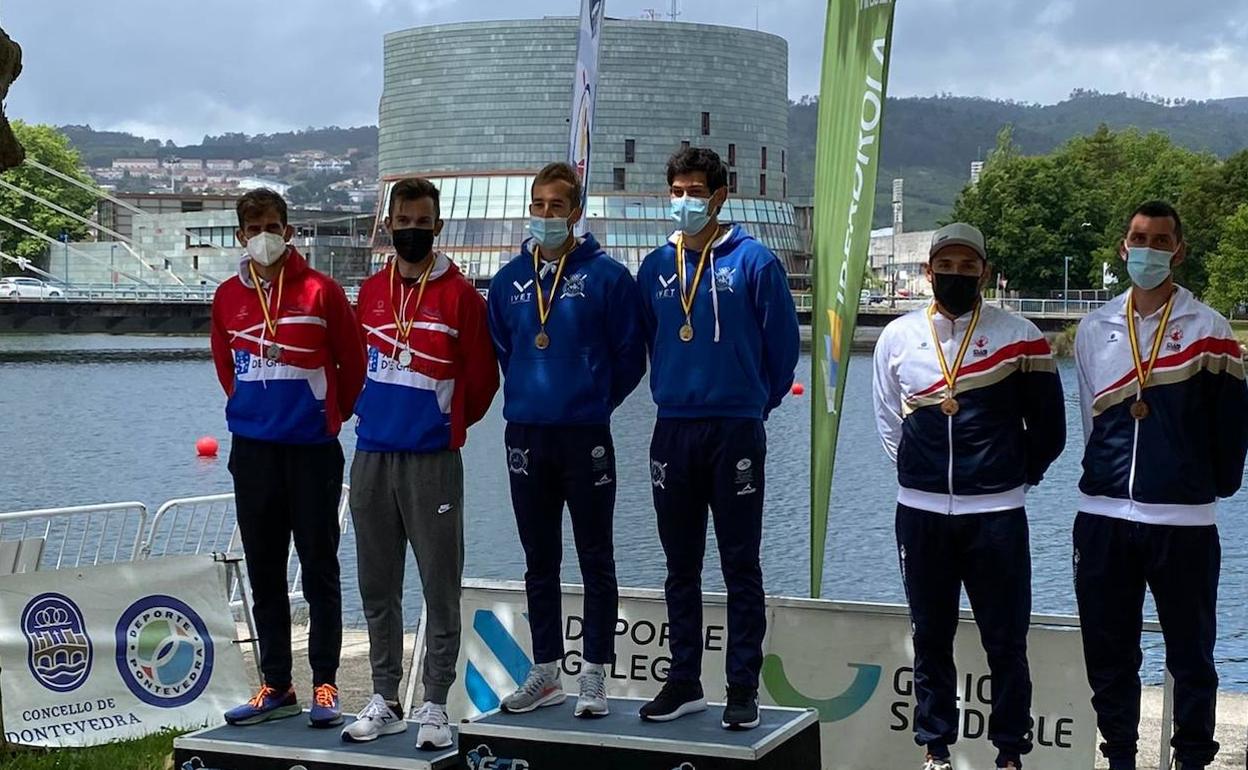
(687, 299)
(542, 340)
(273, 352)
(950, 406)
(405, 359)
(1141, 410)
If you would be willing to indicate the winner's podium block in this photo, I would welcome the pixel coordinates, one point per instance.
(554, 739)
(284, 744)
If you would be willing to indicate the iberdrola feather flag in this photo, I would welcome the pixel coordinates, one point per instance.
(585, 93)
(851, 117)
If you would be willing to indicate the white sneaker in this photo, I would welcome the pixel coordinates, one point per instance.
(435, 728)
(377, 719)
(541, 688)
(933, 763)
(592, 701)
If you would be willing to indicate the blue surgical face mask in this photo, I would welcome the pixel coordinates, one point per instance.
(1149, 268)
(550, 234)
(690, 214)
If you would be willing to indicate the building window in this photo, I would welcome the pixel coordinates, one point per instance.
(630, 150)
(619, 181)
(784, 183)
(783, 170)
(732, 182)
(732, 155)
(684, 145)
(762, 184)
(706, 124)
(764, 158)
(191, 206)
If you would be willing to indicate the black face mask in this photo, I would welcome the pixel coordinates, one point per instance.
(412, 244)
(956, 293)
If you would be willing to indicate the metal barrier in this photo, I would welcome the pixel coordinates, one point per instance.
(65, 538)
(209, 524)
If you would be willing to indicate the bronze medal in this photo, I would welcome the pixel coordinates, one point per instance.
(405, 358)
(686, 333)
(273, 352)
(1139, 410)
(542, 340)
(950, 406)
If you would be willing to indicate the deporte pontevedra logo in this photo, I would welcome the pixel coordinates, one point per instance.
(164, 651)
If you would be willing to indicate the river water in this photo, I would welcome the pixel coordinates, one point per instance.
(93, 418)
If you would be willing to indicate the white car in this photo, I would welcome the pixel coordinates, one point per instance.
(17, 288)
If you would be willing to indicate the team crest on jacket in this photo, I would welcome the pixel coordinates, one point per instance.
(1174, 342)
(573, 286)
(658, 474)
(981, 347)
(723, 279)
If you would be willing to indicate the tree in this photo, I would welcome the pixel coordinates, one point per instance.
(1037, 210)
(51, 148)
(1228, 265)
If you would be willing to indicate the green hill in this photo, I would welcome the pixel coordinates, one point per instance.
(931, 142)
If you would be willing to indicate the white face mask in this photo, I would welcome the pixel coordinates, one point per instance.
(266, 248)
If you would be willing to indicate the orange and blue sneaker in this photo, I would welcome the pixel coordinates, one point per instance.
(325, 709)
(267, 704)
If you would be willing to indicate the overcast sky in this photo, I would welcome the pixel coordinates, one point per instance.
(181, 69)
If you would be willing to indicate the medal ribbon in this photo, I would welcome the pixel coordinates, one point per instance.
(544, 307)
(270, 315)
(951, 377)
(403, 325)
(687, 301)
(1143, 375)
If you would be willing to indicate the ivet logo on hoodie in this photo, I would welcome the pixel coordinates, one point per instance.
(667, 287)
(522, 294)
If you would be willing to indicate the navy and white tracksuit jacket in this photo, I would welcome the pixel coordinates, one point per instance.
(1010, 426)
(1171, 467)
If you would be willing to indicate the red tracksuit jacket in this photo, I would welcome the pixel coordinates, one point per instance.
(303, 397)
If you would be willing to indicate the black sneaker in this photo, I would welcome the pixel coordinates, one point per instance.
(741, 713)
(674, 701)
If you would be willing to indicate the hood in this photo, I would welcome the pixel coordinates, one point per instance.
(735, 236)
(587, 248)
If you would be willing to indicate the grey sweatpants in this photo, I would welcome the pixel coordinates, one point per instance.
(399, 498)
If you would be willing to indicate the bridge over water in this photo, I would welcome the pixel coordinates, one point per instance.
(187, 310)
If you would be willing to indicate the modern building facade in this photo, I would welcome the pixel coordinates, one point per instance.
(190, 240)
(480, 107)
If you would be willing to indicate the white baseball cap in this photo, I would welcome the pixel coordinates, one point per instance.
(959, 234)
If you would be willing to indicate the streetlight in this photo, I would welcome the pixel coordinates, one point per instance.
(112, 269)
(1066, 290)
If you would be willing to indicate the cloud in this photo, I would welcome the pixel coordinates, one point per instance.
(182, 70)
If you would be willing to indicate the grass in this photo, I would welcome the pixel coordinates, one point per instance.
(151, 753)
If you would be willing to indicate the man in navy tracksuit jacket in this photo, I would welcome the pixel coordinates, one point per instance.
(1165, 419)
(566, 324)
(723, 338)
(966, 451)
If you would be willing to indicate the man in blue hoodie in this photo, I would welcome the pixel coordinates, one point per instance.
(566, 323)
(723, 338)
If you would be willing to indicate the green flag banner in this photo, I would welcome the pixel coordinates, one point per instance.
(857, 45)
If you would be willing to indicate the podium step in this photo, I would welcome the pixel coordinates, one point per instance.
(554, 739)
(284, 744)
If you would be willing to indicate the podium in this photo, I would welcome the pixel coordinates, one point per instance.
(554, 739)
(287, 744)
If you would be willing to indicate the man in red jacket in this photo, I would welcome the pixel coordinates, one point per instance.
(431, 374)
(289, 356)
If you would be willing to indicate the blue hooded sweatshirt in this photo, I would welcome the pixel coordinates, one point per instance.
(741, 359)
(597, 352)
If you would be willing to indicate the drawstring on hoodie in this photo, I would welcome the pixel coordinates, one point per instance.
(715, 293)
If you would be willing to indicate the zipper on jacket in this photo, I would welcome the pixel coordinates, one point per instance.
(950, 424)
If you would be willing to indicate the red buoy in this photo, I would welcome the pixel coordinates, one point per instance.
(799, 389)
(206, 447)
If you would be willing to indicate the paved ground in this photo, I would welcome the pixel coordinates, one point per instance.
(356, 686)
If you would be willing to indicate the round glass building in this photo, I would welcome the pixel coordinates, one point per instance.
(478, 108)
